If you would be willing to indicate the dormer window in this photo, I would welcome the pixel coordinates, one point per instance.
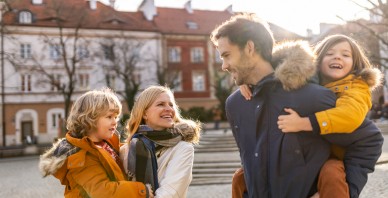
(37, 2)
(25, 17)
(192, 25)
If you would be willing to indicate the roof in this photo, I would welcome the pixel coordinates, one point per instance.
(77, 13)
(175, 20)
(74, 13)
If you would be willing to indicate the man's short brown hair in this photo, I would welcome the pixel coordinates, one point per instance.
(241, 28)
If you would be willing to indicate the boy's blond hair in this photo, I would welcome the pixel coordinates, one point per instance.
(88, 108)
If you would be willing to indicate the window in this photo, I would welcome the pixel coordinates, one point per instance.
(192, 25)
(196, 55)
(111, 81)
(83, 80)
(177, 82)
(174, 54)
(82, 52)
(108, 51)
(56, 82)
(25, 82)
(217, 56)
(25, 51)
(55, 51)
(198, 81)
(25, 17)
(56, 117)
(37, 2)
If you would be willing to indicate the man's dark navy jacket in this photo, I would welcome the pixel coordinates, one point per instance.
(280, 164)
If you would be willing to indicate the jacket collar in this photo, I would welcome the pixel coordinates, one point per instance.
(266, 80)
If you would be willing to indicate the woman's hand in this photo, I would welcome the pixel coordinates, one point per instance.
(246, 92)
(293, 122)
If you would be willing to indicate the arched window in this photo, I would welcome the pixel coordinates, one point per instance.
(25, 17)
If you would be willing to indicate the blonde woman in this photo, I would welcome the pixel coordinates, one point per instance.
(87, 161)
(159, 151)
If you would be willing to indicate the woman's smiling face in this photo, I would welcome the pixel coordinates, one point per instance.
(160, 115)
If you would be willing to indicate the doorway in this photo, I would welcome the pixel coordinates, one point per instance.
(27, 132)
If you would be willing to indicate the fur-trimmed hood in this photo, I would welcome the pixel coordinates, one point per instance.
(55, 157)
(372, 76)
(189, 130)
(293, 62)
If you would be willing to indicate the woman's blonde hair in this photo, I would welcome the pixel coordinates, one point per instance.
(144, 101)
(88, 108)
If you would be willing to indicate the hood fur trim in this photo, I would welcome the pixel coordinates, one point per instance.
(189, 130)
(372, 76)
(48, 163)
(293, 62)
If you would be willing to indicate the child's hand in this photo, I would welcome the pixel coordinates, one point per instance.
(151, 192)
(293, 122)
(246, 92)
(316, 195)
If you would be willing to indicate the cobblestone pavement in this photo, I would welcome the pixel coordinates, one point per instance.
(376, 187)
(20, 177)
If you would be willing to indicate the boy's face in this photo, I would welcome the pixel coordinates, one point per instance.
(160, 115)
(337, 63)
(106, 126)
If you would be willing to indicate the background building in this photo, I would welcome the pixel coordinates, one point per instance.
(55, 50)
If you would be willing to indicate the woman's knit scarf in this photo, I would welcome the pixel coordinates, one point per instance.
(142, 161)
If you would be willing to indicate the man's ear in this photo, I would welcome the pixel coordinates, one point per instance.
(250, 47)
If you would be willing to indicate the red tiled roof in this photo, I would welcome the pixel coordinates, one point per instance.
(167, 21)
(77, 12)
(174, 20)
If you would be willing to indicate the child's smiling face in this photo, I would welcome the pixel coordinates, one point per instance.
(106, 126)
(337, 63)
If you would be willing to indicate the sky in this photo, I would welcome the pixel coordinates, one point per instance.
(294, 15)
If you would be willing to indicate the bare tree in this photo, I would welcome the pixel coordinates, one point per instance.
(64, 50)
(223, 86)
(125, 61)
(376, 27)
(166, 74)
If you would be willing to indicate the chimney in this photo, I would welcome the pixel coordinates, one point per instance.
(188, 7)
(37, 2)
(230, 9)
(148, 8)
(93, 4)
(309, 33)
(112, 3)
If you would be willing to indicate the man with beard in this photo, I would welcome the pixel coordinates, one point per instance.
(277, 164)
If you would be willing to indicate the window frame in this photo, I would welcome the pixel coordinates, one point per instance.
(197, 55)
(25, 51)
(25, 17)
(174, 54)
(194, 81)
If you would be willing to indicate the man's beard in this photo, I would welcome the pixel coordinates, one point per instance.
(243, 71)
